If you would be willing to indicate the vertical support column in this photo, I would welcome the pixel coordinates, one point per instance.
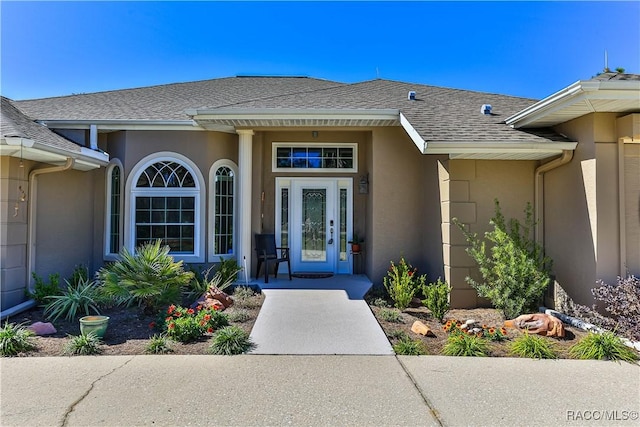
(245, 147)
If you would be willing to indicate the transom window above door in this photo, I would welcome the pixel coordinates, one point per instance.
(315, 157)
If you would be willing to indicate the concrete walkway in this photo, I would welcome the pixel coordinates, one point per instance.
(310, 321)
(315, 391)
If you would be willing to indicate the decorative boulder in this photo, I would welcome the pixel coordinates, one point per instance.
(40, 328)
(217, 294)
(420, 328)
(538, 323)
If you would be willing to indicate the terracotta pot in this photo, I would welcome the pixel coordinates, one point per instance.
(355, 248)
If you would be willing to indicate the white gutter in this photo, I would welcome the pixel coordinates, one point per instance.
(113, 125)
(17, 309)
(413, 134)
(31, 215)
(538, 192)
(579, 91)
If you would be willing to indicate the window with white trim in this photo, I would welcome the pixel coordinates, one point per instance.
(222, 217)
(315, 157)
(113, 211)
(166, 204)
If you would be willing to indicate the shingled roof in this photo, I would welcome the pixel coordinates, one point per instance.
(438, 114)
(15, 124)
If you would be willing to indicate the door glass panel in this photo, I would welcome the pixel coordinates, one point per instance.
(343, 224)
(314, 231)
(284, 218)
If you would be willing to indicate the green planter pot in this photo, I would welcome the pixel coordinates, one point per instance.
(96, 324)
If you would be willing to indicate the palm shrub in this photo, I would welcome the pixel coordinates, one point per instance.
(83, 296)
(437, 298)
(604, 346)
(514, 270)
(231, 340)
(15, 339)
(228, 270)
(149, 277)
(533, 346)
(402, 283)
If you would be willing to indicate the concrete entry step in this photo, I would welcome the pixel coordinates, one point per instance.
(317, 321)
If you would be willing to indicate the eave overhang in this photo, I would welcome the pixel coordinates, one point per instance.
(239, 118)
(116, 125)
(28, 149)
(578, 99)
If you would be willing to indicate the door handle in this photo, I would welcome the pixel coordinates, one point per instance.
(330, 242)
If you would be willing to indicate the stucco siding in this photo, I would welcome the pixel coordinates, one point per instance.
(632, 206)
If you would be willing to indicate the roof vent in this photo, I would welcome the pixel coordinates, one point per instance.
(486, 109)
(412, 95)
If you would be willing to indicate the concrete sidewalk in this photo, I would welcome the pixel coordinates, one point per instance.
(317, 321)
(315, 390)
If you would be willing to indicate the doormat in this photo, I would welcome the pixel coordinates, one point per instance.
(312, 275)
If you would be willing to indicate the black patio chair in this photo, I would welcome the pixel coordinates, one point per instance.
(268, 254)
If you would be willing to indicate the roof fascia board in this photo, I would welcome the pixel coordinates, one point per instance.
(17, 141)
(280, 113)
(413, 134)
(582, 90)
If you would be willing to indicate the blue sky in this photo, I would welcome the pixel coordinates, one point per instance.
(528, 49)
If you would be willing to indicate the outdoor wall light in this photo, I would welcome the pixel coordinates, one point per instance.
(314, 134)
(363, 184)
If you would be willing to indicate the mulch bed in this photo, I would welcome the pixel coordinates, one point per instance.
(128, 332)
(486, 316)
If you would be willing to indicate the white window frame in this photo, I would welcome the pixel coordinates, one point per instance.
(214, 257)
(108, 255)
(276, 145)
(198, 192)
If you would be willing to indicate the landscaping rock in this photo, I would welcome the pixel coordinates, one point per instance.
(538, 323)
(40, 328)
(420, 328)
(217, 294)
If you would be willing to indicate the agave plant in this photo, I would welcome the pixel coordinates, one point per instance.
(81, 296)
(149, 277)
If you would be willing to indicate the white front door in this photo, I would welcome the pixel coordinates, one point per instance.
(315, 221)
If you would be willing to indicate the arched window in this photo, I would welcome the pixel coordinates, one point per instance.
(222, 210)
(165, 204)
(113, 211)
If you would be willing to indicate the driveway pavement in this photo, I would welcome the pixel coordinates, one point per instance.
(315, 390)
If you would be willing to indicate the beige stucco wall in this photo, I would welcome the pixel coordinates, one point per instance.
(582, 206)
(468, 189)
(403, 206)
(632, 206)
(13, 231)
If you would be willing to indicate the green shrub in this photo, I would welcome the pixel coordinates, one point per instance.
(437, 298)
(158, 344)
(83, 345)
(221, 280)
(245, 297)
(390, 315)
(15, 339)
(150, 277)
(79, 275)
(380, 302)
(82, 296)
(228, 270)
(604, 346)
(533, 346)
(239, 315)
(402, 283)
(463, 344)
(231, 340)
(515, 273)
(408, 347)
(42, 289)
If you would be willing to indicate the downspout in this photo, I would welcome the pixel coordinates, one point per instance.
(31, 215)
(538, 194)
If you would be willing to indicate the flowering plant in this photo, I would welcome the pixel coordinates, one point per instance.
(402, 283)
(455, 327)
(188, 324)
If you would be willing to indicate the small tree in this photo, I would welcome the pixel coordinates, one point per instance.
(514, 270)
